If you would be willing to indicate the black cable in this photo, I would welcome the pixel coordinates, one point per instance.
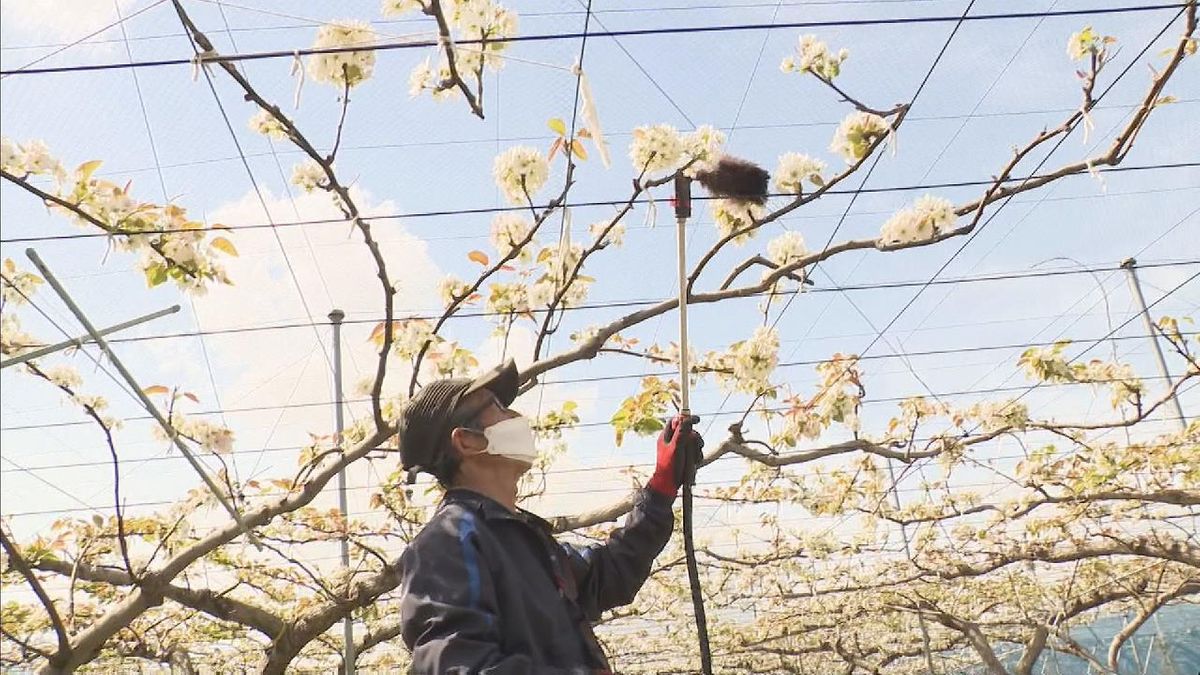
(610, 202)
(1007, 200)
(629, 376)
(616, 304)
(679, 30)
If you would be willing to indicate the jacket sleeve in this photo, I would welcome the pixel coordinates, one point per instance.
(610, 574)
(448, 606)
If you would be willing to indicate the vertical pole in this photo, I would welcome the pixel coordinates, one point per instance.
(336, 316)
(1130, 266)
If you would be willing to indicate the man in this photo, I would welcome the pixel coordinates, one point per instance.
(485, 588)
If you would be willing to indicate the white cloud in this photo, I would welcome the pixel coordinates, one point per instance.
(62, 20)
(333, 269)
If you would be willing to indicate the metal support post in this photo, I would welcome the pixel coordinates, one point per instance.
(336, 316)
(84, 339)
(1130, 266)
(141, 395)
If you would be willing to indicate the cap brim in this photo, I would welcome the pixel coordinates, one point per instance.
(502, 381)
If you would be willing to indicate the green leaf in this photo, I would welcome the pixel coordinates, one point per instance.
(155, 275)
(557, 126)
(86, 169)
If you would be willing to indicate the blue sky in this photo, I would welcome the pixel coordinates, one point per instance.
(999, 83)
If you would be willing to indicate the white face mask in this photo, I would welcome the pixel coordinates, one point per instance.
(512, 438)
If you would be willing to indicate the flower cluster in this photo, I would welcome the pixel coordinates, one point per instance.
(753, 360)
(410, 336)
(520, 172)
(211, 437)
(813, 56)
(732, 215)
(13, 340)
(343, 68)
(64, 376)
(1088, 42)
(509, 231)
(787, 248)
(615, 235)
(1049, 365)
(655, 148)
(401, 7)
(702, 148)
(452, 288)
(32, 158)
(18, 284)
(795, 168)
(508, 298)
(994, 415)
(308, 176)
(265, 123)
(469, 20)
(925, 218)
(450, 359)
(169, 244)
(559, 263)
(857, 134)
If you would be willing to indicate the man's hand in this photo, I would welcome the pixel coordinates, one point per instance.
(675, 443)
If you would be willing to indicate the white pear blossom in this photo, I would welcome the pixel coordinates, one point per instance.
(450, 359)
(343, 68)
(702, 148)
(857, 134)
(37, 160)
(308, 175)
(615, 236)
(265, 123)
(732, 215)
(18, 285)
(787, 248)
(421, 78)
(508, 298)
(509, 230)
(795, 168)
(754, 359)
(410, 336)
(211, 437)
(655, 148)
(11, 159)
(452, 288)
(542, 293)
(14, 340)
(993, 415)
(400, 7)
(813, 56)
(925, 218)
(520, 172)
(64, 376)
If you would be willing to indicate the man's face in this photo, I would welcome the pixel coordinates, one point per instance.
(481, 410)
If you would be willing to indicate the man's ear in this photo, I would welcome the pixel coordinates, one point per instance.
(469, 441)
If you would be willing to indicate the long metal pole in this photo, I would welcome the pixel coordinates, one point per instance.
(336, 316)
(683, 211)
(137, 390)
(684, 366)
(84, 339)
(1130, 266)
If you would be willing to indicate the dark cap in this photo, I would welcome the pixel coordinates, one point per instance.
(426, 417)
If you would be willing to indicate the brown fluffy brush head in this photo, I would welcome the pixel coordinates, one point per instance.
(734, 178)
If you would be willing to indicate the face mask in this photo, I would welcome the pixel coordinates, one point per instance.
(512, 438)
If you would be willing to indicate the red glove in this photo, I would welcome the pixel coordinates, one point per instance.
(675, 443)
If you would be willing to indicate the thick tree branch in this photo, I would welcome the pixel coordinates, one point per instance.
(17, 561)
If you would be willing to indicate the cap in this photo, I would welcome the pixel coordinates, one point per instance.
(425, 419)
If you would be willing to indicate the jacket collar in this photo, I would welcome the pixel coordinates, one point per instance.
(492, 509)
